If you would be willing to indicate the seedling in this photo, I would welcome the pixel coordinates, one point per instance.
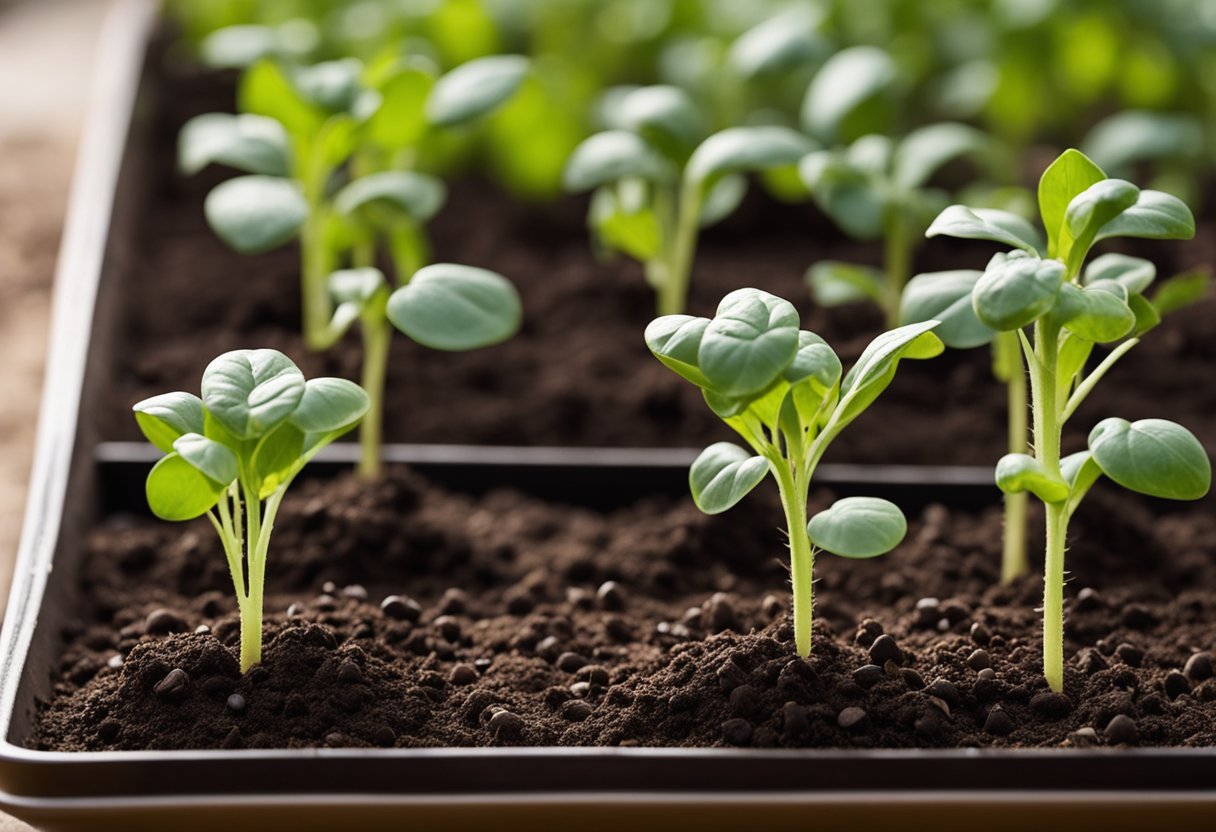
(878, 188)
(232, 455)
(658, 180)
(1069, 307)
(298, 127)
(781, 389)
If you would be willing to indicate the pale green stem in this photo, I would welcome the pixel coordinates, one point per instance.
(315, 266)
(673, 293)
(897, 267)
(377, 336)
(1013, 559)
(251, 611)
(1083, 390)
(793, 491)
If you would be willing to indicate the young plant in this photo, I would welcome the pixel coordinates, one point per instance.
(878, 189)
(1070, 307)
(299, 126)
(232, 455)
(658, 180)
(781, 389)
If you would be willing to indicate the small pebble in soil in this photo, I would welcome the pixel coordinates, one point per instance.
(295, 610)
(744, 700)
(793, 718)
(571, 662)
(867, 674)
(505, 725)
(1176, 684)
(201, 629)
(980, 634)
(448, 627)
(610, 596)
(772, 607)
(463, 674)
(109, 729)
(349, 672)
(737, 732)
(576, 710)
(998, 722)
(581, 689)
(162, 622)
(1129, 654)
(237, 704)
(1083, 737)
(1088, 600)
(115, 661)
(945, 690)
(1090, 661)
(384, 737)
(482, 665)
(928, 611)
(1199, 666)
(454, 601)
(595, 674)
(548, 648)
(1050, 704)
(979, 659)
(850, 717)
(720, 613)
(867, 631)
(912, 679)
(884, 649)
(1121, 730)
(401, 608)
(174, 686)
(356, 591)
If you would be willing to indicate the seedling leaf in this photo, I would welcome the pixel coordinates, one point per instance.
(250, 391)
(164, 418)
(254, 214)
(1152, 456)
(751, 339)
(722, 475)
(1016, 473)
(946, 297)
(858, 527)
(451, 307)
(475, 88)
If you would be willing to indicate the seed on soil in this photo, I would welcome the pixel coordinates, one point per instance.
(162, 622)
(720, 613)
(610, 596)
(349, 672)
(1199, 666)
(356, 591)
(1121, 730)
(1176, 684)
(737, 732)
(115, 661)
(979, 660)
(400, 607)
(201, 629)
(928, 611)
(867, 674)
(237, 704)
(576, 710)
(325, 603)
(867, 631)
(912, 679)
(595, 674)
(295, 610)
(986, 675)
(463, 674)
(884, 649)
(1051, 705)
(174, 686)
(998, 722)
(850, 717)
(505, 725)
(1129, 654)
(980, 634)
(548, 648)
(448, 627)
(772, 607)
(581, 689)
(1088, 600)
(482, 665)
(571, 662)
(1083, 737)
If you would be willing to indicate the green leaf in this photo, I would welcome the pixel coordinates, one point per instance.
(266, 91)
(1152, 456)
(1154, 216)
(451, 307)
(751, 340)
(634, 232)
(1134, 274)
(737, 149)
(722, 199)
(418, 196)
(475, 88)
(1147, 316)
(254, 144)
(1096, 313)
(277, 457)
(777, 45)
(875, 368)
(164, 418)
(236, 47)
(946, 297)
(858, 527)
(1065, 178)
(176, 490)
(611, 156)
(254, 214)
(833, 283)
(1094, 208)
(814, 362)
(847, 80)
(1182, 290)
(250, 391)
(985, 224)
(357, 286)
(217, 461)
(1070, 361)
(676, 341)
(1016, 289)
(722, 475)
(665, 116)
(400, 122)
(330, 404)
(924, 151)
(852, 198)
(1017, 473)
(332, 86)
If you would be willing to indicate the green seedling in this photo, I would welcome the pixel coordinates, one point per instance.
(1069, 307)
(299, 127)
(878, 189)
(658, 180)
(232, 455)
(781, 389)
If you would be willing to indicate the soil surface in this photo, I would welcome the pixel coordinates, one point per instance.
(579, 373)
(399, 614)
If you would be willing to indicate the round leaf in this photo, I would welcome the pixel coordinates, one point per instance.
(331, 85)
(217, 461)
(176, 490)
(1131, 136)
(847, 80)
(946, 297)
(1097, 313)
(1017, 473)
(250, 391)
(1152, 456)
(858, 527)
(1154, 216)
(610, 156)
(254, 214)
(475, 88)
(450, 307)
(330, 404)
(663, 115)
(746, 149)
(419, 196)
(1097, 205)
(676, 341)
(722, 475)
(1134, 274)
(247, 142)
(1016, 289)
(164, 418)
(1065, 178)
(814, 360)
(236, 47)
(750, 341)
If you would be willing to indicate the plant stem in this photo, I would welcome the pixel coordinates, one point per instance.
(673, 293)
(1053, 596)
(377, 336)
(1013, 559)
(897, 266)
(802, 556)
(315, 266)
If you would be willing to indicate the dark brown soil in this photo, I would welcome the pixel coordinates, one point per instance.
(579, 373)
(653, 625)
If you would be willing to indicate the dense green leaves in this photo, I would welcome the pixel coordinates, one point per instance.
(1098, 313)
(751, 339)
(254, 214)
(1155, 216)
(1134, 274)
(251, 391)
(722, 475)
(475, 88)
(451, 307)
(1152, 456)
(1016, 289)
(210, 457)
(923, 151)
(875, 369)
(665, 116)
(776, 45)
(946, 297)
(858, 527)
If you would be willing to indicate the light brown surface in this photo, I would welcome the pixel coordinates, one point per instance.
(46, 60)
